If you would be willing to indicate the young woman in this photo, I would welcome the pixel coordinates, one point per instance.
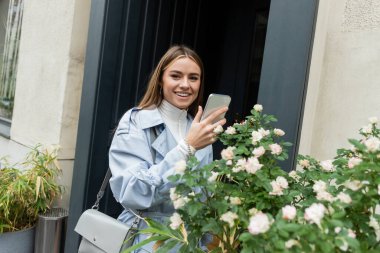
(164, 129)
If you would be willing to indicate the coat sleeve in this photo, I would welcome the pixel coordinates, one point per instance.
(136, 182)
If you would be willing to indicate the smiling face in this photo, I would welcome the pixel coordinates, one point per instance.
(181, 82)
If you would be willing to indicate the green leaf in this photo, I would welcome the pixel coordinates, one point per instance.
(144, 242)
(193, 208)
(167, 246)
(291, 227)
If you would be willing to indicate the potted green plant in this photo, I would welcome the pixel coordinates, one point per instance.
(27, 188)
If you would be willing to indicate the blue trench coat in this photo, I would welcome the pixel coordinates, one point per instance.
(140, 167)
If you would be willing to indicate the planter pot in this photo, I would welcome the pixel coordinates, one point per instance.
(19, 241)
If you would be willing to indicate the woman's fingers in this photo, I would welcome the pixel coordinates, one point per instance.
(219, 123)
(202, 133)
(198, 116)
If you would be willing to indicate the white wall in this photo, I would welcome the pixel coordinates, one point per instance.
(49, 80)
(344, 84)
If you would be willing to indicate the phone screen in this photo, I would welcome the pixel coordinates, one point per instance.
(215, 102)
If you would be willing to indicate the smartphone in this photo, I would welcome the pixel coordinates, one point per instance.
(215, 102)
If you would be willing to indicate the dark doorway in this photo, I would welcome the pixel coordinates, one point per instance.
(231, 44)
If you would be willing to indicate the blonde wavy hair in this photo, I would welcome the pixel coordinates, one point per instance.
(153, 94)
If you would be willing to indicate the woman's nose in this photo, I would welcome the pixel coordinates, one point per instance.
(184, 83)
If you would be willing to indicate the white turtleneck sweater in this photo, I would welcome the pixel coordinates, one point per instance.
(176, 120)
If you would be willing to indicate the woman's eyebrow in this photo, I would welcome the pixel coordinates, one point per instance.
(180, 72)
(175, 71)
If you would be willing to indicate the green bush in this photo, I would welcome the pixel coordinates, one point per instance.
(249, 204)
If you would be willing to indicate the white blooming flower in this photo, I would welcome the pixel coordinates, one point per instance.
(192, 194)
(264, 132)
(367, 129)
(353, 185)
(175, 220)
(378, 189)
(252, 165)
(351, 233)
(315, 213)
(258, 107)
(229, 162)
(278, 132)
(230, 130)
(235, 201)
(259, 224)
(180, 167)
(180, 202)
(327, 166)
(377, 209)
(372, 144)
(293, 174)
(290, 243)
(240, 123)
(257, 152)
(228, 153)
(237, 169)
(253, 211)
(304, 163)
(323, 195)
(353, 161)
(300, 169)
(282, 182)
(219, 129)
(289, 212)
(241, 162)
(256, 136)
(173, 194)
(276, 189)
(337, 230)
(375, 225)
(344, 198)
(373, 120)
(213, 177)
(275, 148)
(319, 186)
(229, 217)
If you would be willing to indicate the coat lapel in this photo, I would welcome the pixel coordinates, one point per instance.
(164, 143)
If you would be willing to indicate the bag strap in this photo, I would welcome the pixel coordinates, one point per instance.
(99, 196)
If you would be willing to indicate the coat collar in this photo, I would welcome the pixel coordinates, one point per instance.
(150, 118)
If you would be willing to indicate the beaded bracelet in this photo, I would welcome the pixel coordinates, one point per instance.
(189, 152)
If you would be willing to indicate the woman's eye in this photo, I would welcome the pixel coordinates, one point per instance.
(194, 78)
(175, 76)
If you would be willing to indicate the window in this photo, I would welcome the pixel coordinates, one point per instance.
(10, 31)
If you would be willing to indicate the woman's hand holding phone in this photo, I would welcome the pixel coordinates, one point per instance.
(201, 132)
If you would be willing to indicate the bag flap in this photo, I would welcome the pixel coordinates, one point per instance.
(102, 230)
